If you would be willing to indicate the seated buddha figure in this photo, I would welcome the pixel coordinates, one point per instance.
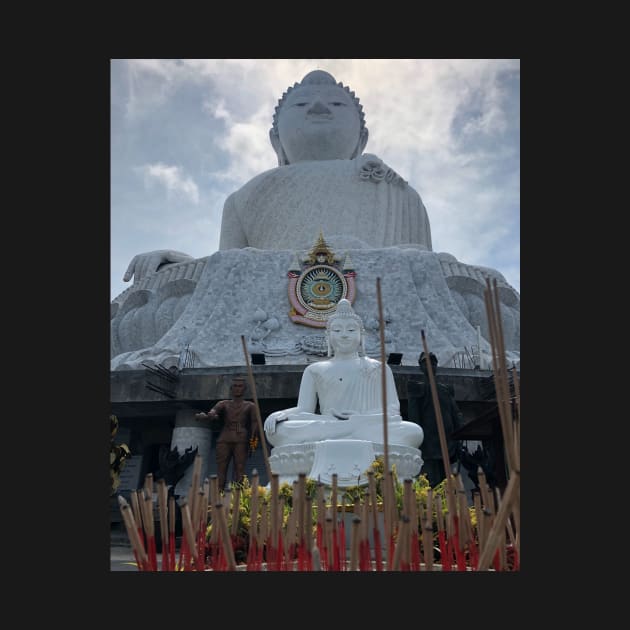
(348, 387)
(323, 179)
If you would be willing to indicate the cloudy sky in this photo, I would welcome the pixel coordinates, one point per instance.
(185, 133)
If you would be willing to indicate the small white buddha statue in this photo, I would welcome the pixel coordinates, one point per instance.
(348, 387)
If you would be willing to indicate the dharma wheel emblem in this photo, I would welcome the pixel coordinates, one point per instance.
(317, 285)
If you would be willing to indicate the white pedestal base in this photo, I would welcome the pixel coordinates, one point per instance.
(349, 459)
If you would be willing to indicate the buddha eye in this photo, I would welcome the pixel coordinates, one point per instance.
(337, 103)
(300, 104)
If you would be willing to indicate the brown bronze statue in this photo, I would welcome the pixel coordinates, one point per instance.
(239, 431)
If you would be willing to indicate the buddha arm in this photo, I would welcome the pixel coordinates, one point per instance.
(307, 400)
(307, 397)
(232, 234)
(393, 404)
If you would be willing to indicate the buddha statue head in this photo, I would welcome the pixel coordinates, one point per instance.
(344, 330)
(318, 119)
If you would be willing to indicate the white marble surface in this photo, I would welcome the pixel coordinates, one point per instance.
(362, 198)
(350, 460)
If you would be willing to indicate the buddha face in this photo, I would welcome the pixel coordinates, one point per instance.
(344, 334)
(319, 122)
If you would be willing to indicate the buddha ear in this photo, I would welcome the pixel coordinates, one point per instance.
(363, 138)
(277, 147)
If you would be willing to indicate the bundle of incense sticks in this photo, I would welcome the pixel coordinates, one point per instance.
(310, 535)
(508, 510)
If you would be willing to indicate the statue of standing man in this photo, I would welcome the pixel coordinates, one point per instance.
(239, 431)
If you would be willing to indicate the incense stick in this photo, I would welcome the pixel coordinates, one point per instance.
(317, 562)
(442, 436)
(383, 372)
(480, 519)
(203, 519)
(162, 499)
(263, 534)
(499, 524)
(309, 528)
(274, 551)
(236, 503)
(333, 500)
(354, 544)
(500, 377)
(400, 543)
(300, 507)
(225, 537)
(137, 513)
(171, 533)
(444, 552)
(330, 542)
(148, 484)
(188, 531)
(194, 491)
(132, 532)
(253, 509)
(427, 543)
(147, 506)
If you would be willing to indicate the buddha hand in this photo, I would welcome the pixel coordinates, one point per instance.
(273, 419)
(142, 265)
(343, 415)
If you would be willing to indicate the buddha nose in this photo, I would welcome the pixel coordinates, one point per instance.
(318, 108)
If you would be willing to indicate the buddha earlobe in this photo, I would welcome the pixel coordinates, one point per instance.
(277, 147)
(363, 138)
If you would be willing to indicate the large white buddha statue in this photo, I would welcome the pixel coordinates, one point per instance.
(323, 180)
(348, 388)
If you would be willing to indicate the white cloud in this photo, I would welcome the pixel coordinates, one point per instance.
(172, 178)
(245, 143)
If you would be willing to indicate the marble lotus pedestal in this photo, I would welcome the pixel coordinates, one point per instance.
(348, 459)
